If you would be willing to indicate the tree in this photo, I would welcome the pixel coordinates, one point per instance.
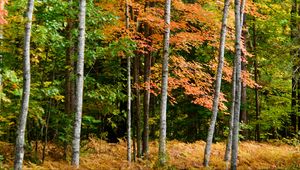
(217, 84)
(235, 130)
(234, 98)
(295, 68)
(128, 92)
(79, 85)
(147, 68)
(20, 141)
(164, 88)
(69, 80)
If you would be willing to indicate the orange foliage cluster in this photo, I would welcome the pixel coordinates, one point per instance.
(98, 154)
(192, 78)
(3, 12)
(227, 74)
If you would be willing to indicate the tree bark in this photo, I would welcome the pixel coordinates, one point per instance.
(164, 88)
(69, 100)
(257, 109)
(128, 110)
(79, 85)
(217, 85)
(1, 60)
(235, 132)
(128, 92)
(293, 54)
(69, 83)
(147, 73)
(229, 140)
(244, 89)
(137, 106)
(20, 141)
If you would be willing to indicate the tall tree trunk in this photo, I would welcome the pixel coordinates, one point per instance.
(235, 130)
(244, 87)
(69, 83)
(1, 58)
(164, 87)
(128, 110)
(257, 109)
(293, 54)
(217, 85)
(20, 141)
(137, 106)
(128, 92)
(229, 140)
(234, 89)
(79, 85)
(147, 68)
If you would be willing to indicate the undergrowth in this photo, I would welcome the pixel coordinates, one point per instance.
(98, 154)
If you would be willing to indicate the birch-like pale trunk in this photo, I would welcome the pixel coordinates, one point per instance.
(229, 140)
(128, 91)
(79, 85)
(164, 87)
(235, 131)
(234, 78)
(217, 85)
(20, 141)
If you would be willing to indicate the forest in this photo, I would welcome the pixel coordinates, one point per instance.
(149, 84)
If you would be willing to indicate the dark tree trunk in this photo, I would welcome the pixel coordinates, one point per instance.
(147, 68)
(294, 76)
(137, 105)
(69, 82)
(256, 75)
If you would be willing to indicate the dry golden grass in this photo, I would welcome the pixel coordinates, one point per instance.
(98, 154)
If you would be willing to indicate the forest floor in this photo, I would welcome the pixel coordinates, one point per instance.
(98, 154)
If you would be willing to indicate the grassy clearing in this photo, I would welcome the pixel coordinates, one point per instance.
(98, 154)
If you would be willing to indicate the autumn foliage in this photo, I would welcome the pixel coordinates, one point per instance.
(3, 12)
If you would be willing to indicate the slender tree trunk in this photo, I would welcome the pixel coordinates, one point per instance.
(69, 83)
(147, 68)
(234, 89)
(235, 132)
(217, 85)
(293, 54)
(137, 106)
(164, 87)
(69, 69)
(134, 141)
(244, 89)
(128, 110)
(46, 132)
(1, 58)
(229, 140)
(20, 141)
(128, 92)
(257, 127)
(79, 85)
